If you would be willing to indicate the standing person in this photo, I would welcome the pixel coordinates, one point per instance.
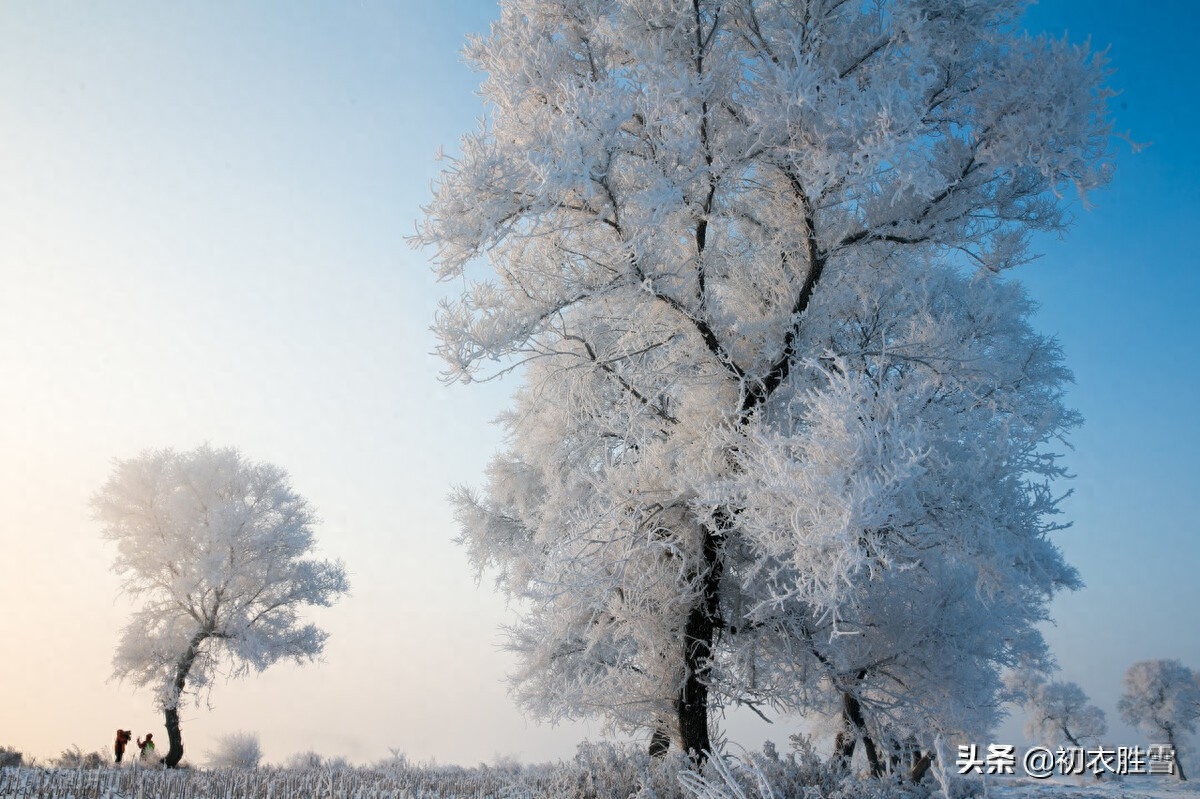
(147, 748)
(123, 738)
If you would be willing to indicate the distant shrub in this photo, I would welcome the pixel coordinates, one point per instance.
(302, 761)
(11, 758)
(74, 757)
(236, 750)
(396, 762)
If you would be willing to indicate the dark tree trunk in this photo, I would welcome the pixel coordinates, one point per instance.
(854, 726)
(920, 767)
(698, 637)
(171, 714)
(1171, 743)
(174, 738)
(1071, 739)
(877, 769)
(692, 708)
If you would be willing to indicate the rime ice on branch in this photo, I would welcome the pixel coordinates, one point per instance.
(785, 438)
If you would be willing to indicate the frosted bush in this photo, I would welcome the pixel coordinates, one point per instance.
(304, 760)
(301, 761)
(799, 774)
(236, 750)
(74, 757)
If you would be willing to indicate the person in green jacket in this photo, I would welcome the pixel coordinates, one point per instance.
(147, 748)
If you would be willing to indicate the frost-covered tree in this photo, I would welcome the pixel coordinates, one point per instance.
(1162, 697)
(903, 444)
(1058, 713)
(218, 549)
(785, 436)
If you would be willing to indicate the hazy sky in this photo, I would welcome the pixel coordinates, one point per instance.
(203, 211)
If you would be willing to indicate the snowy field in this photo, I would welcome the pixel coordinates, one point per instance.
(599, 771)
(1142, 787)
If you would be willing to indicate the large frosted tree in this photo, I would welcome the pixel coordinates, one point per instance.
(218, 549)
(785, 437)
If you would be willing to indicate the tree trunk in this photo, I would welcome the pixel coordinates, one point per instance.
(698, 638)
(171, 713)
(174, 738)
(692, 708)
(854, 726)
(1175, 750)
(920, 767)
(1071, 739)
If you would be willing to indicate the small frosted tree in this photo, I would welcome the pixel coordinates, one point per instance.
(1057, 713)
(1162, 697)
(218, 549)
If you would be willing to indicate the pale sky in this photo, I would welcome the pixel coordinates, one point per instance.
(203, 211)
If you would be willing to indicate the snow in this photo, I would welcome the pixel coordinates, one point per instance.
(1127, 788)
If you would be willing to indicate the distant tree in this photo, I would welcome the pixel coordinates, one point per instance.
(236, 750)
(742, 469)
(1058, 713)
(218, 548)
(1162, 697)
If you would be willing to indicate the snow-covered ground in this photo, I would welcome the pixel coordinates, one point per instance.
(598, 771)
(1141, 787)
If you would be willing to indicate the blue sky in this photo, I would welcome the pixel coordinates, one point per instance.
(203, 211)
(1120, 293)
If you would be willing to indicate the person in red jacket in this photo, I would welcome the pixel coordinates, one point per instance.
(123, 738)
